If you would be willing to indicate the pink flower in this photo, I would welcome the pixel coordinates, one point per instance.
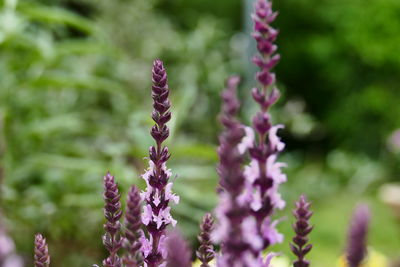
(274, 141)
(270, 233)
(268, 259)
(169, 195)
(247, 140)
(252, 171)
(162, 248)
(276, 198)
(147, 214)
(149, 171)
(274, 170)
(250, 233)
(222, 228)
(146, 247)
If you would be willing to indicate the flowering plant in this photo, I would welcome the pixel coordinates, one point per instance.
(250, 176)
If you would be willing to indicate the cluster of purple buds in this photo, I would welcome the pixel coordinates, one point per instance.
(132, 229)
(42, 257)
(302, 229)
(112, 239)
(205, 253)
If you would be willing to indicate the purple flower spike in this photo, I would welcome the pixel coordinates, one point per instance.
(42, 258)
(264, 175)
(179, 254)
(265, 36)
(357, 238)
(205, 253)
(235, 231)
(229, 169)
(156, 213)
(132, 232)
(112, 211)
(302, 228)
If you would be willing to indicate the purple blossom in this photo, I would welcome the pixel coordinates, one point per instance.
(302, 228)
(132, 229)
(42, 257)
(357, 237)
(156, 212)
(178, 252)
(205, 252)
(112, 211)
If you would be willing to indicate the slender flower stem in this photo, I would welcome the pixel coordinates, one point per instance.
(156, 214)
(42, 257)
(302, 228)
(112, 211)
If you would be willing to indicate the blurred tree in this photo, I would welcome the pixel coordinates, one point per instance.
(342, 57)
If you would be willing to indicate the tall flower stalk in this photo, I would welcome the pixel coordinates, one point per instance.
(156, 213)
(263, 174)
(112, 239)
(235, 230)
(357, 237)
(302, 229)
(133, 258)
(42, 257)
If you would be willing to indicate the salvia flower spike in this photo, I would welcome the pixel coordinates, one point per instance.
(178, 252)
(234, 230)
(357, 237)
(263, 174)
(133, 257)
(42, 257)
(205, 252)
(302, 228)
(156, 212)
(112, 211)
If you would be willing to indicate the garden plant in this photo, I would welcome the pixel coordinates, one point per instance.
(242, 229)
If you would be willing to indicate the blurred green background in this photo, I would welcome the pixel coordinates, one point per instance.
(75, 102)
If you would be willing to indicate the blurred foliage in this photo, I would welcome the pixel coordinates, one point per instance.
(75, 102)
(341, 58)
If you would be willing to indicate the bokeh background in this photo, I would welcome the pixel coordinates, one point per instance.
(75, 102)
